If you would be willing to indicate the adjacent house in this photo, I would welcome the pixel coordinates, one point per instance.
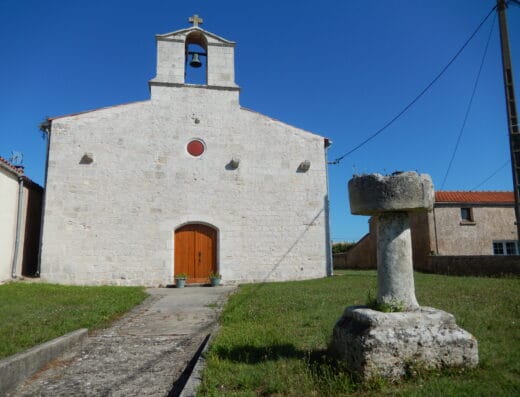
(472, 223)
(188, 181)
(20, 219)
(461, 224)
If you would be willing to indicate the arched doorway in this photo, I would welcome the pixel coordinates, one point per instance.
(195, 252)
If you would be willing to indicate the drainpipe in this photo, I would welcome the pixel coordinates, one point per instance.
(18, 226)
(328, 143)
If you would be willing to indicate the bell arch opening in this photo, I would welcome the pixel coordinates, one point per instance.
(196, 59)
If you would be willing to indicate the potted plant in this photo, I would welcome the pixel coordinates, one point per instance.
(180, 280)
(215, 279)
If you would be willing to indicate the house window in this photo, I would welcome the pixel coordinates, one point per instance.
(505, 247)
(466, 215)
(511, 248)
(498, 248)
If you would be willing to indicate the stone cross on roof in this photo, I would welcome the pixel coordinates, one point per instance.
(195, 20)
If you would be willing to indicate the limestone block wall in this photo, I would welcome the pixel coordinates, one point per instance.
(171, 58)
(422, 227)
(170, 61)
(472, 265)
(8, 212)
(112, 221)
(362, 256)
(442, 232)
(454, 237)
(221, 71)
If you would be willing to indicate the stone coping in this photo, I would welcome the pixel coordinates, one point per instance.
(365, 315)
(17, 368)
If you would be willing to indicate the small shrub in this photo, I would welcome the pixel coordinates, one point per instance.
(392, 307)
(338, 248)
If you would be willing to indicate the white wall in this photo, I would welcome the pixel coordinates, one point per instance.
(113, 221)
(8, 212)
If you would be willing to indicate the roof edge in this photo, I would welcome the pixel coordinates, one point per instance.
(19, 172)
(192, 29)
(283, 122)
(6, 165)
(95, 110)
(28, 182)
(474, 197)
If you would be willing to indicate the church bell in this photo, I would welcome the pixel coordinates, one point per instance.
(195, 61)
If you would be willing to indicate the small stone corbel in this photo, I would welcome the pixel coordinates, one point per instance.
(88, 158)
(304, 166)
(234, 163)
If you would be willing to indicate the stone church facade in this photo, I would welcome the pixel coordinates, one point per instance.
(186, 182)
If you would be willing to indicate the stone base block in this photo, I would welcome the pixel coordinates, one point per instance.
(375, 344)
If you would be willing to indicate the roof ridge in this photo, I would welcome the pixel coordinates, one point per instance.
(499, 197)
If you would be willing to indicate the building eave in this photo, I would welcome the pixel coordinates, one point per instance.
(14, 170)
(94, 110)
(284, 123)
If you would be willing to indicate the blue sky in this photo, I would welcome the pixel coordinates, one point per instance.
(339, 68)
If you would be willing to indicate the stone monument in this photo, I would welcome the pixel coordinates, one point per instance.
(373, 343)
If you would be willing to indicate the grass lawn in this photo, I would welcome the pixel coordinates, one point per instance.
(32, 313)
(274, 336)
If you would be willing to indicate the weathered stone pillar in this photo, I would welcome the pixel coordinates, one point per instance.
(389, 199)
(377, 344)
(395, 285)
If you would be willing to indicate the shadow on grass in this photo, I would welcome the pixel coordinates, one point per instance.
(255, 354)
(321, 365)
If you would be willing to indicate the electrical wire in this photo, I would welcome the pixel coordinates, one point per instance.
(395, 118)
(491, 176)
(470, 103)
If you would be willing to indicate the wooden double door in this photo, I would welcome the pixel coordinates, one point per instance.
(195, 248)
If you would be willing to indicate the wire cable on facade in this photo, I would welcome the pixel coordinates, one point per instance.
(470, 103)
(395, 118)
(491, 176)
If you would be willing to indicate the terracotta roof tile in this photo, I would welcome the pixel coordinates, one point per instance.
(474, 197)
(17, 169)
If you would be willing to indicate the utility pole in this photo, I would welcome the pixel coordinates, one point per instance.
(512, 116)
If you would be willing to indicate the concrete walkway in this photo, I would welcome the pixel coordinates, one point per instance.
(142, 354)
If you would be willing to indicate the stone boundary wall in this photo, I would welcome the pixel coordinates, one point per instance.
(345, 260)
(339, 260)
(474, 265)
(491, 265)
(17, 368)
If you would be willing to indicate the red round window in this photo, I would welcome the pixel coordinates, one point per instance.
(196, 147)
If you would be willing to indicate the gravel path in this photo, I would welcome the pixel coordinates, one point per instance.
(142, 354)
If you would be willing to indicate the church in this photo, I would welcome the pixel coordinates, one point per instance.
(185, 182)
